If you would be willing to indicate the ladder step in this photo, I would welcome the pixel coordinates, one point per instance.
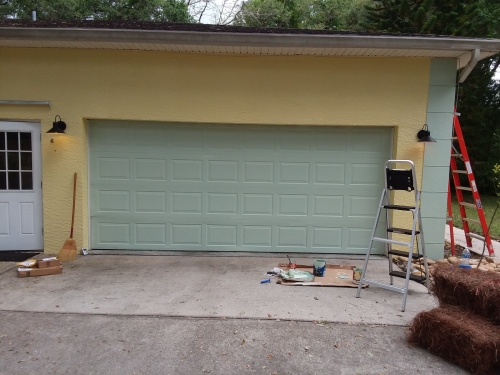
(467, 204)
(418, 279)
(402, 231)
(397, 207)
(459, 171)
(454, 138)
(385, 240)
(449, 218)
(476, 236)
(405, 254)
(471, 220)
(457, 155)
(382, 285)
(463, 188)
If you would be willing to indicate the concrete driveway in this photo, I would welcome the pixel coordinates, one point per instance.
(206, 287)
(111, 314)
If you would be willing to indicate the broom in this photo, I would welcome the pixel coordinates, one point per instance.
(68, 251)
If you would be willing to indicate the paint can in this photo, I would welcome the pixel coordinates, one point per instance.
(319, 267)
(357, 274)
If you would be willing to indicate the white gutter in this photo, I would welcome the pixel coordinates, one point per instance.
(475, 54)
(250, 39)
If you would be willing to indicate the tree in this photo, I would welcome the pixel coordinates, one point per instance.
(145, 10)
(479, 104)
(398, 16)
(306, 14)
(270, 13)
(479, 96)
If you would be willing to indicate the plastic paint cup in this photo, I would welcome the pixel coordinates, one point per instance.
(319, 267)
(357, 274)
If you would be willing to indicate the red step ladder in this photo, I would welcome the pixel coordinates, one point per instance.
(461, 153)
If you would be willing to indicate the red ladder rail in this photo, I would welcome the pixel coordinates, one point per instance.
(461, 152)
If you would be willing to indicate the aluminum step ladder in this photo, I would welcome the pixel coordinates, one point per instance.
(399, 180)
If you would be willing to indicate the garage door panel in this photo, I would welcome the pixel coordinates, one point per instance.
(114, 201)
(330, 238)
(293, 204)
(332, 141)
(292, 237)
(237, 188)
(151, 234)
(329, 173)
(112, 136)
(222, 203)
(257, 235)
(150, 202)
(296, 140)
(187, 203)
(257, 204)
(151, 169)
(182, 137)
(222, 171)
(369, 174)
(293, 173)
(328, 205)
(187, 170)
(363, 206)
(114, 168)
(114, 233)
(186, 234)
(258, 172)
(221, 235)
(370, 141)
(261, 139)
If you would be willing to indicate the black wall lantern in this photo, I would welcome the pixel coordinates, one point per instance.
(58, 126)
(424, 135)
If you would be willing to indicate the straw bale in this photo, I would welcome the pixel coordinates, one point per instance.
(473, 289)
(458, 336)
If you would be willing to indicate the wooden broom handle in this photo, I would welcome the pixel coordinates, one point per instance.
(73, 211)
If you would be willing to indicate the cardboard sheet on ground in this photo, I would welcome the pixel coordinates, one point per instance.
(331, 278)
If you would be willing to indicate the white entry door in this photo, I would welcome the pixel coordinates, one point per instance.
(20, 186)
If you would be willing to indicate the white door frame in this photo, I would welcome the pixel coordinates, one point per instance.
(21, 210)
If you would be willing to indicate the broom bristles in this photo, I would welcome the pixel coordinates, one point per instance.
(68, 251)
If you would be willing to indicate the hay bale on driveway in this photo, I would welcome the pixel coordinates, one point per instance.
(458, 336)
(472, 289)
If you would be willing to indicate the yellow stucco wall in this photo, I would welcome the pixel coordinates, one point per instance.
(158, 86)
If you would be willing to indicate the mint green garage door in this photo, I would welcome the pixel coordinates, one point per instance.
(165, 186)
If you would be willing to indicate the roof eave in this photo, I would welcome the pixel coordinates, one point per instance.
(251, 39)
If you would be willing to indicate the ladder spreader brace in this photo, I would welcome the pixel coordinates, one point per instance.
(402, 180)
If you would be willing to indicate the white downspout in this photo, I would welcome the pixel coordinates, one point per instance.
(470, 65)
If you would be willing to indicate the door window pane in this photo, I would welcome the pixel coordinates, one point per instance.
(3, 180)
(25, 161)
(26, 181)
(2, 140)
(13, 180)
(25, 139)
(12, 141)
(13, 161)
(2, 161)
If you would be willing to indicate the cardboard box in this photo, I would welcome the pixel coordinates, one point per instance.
(31, 272)
(331, 278)
(48, 262)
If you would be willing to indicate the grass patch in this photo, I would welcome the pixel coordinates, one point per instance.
(489, 205)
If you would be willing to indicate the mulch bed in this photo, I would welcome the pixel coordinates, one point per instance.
(457, 335)
(475, 290)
